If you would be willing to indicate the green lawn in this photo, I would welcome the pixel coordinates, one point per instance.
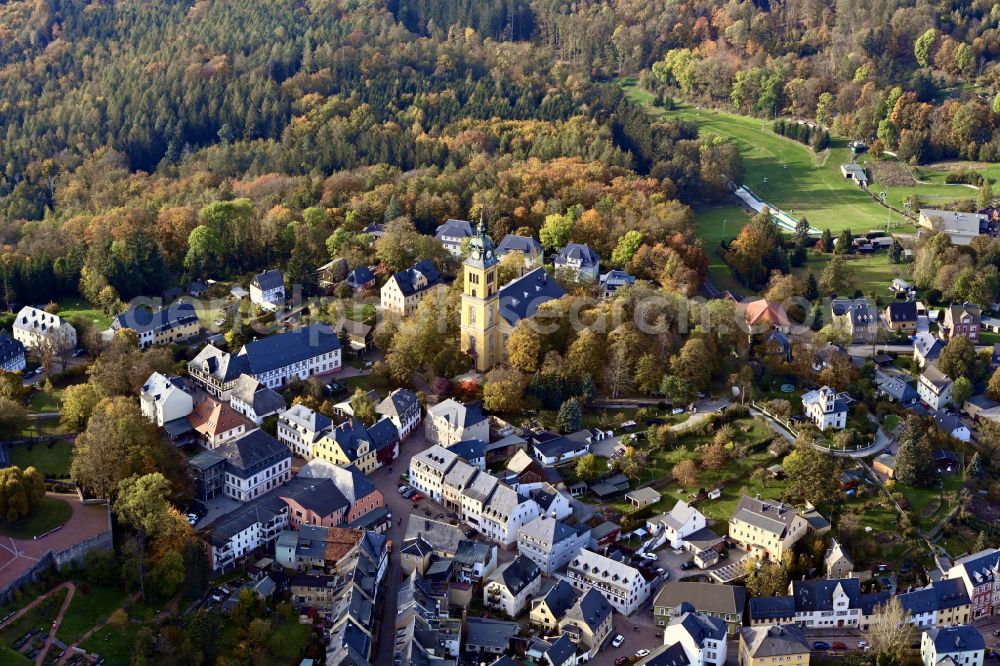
(890, 422)
(50, 513)
(88, 609)
(39, 617)
(52, 460)
(873, 272)
(921, 499)
(70, 307)
(289, 641)
(790, 176)
(45, 426)
(46, 401)
(11, 658)
(114, 644)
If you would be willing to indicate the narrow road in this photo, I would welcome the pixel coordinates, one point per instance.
(40, 659)
(882, 440)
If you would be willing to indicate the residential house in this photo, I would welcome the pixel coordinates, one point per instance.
(217, 371)
(451, 421)
(359, 337)
(512, 585)
(12, 356)
(163, 399)
(943, 603)
(724, 602)
(552, 448)
(363, 498)
(428, 469)
(547, 611)
(642, 497)
(217, 423)
(474, 560)
(527, 471)
(197, 288)
(551, 543)
(254, 400)
(765, 528)
(682, 521)
(33, 328)
(765, 611)
(443, 538)
(962, 645)
(701, 636)
(360, 278)
(332, 273)
(827, 603)
(960, 227)
(614, 280)
(665, 655)
(351, 443)
(300, 428)
(252, 464)
(296, 355)
(981, 574)
(267, 289)
(774, 645)
(885, 463)
(980, 406)
(175, 323)
(825, 409)
(961, 321)
(452, 233)
(503, 513)
(551, 502)
(485, 636)
(762, 315)
(900, 286)
(530, 248)
(837, 561)
(472, 451)
(626, 588)
(901, 316)
(404, 291)
(856, 172)
(315, 547)
(926, 349)
(558, 652)
(895, 389)
(588, 623)
(457, 481)
(934, 387)
(403, 409)
(857, 316)
(579, 262)
(952, 426)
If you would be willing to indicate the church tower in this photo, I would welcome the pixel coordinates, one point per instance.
(481, 303)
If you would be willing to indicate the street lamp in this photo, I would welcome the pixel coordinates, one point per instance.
(724, 220)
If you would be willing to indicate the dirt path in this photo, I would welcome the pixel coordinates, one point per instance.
(34, 603)
(40, 659)
(71, 650)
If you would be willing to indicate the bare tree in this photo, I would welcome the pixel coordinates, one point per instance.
(889, 631)
(617, 375)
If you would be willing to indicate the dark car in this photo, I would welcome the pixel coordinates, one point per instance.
(838, 646)
(621, 660)
(821, 645)
(688, 565)
(723, 554)
(656, 420)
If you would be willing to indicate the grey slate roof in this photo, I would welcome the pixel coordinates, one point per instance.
(927, 345)
(520, 298)
(517, 574)
(469, 449)
(547, 530)
(552, 445)
(905, 311)
(10, 349)
(706, 597)
(771, 608)
(260, 398)
(961, 638)
(486, 633)
(349, 480)
(304, 417)
(406, 279)
(454, 228)
(268, 280)
(223, 366)
(459, 414)
(560, 598)
(666, 655)
(525, 244)
(701, 627)
(142, 320)
(442, 536)
(770, 516)
(561, 650)
(775, 640)
(591, 609)
(817, 595)
(578, 252)
(247, 455)
(397, 403)
(278, 351)
(471, 552)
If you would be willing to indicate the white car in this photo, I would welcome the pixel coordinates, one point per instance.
(403, 489)
(677, 410)
(642, 653)
(648, 556)
(617, 642)
(863, 645)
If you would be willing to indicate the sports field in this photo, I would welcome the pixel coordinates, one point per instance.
(789, 175)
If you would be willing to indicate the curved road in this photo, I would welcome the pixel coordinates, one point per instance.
(882, 440)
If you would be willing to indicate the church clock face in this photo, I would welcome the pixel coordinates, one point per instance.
(475, 254)
(489, 254)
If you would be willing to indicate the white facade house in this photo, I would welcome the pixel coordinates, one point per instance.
(551, 543)
(403, 409)
(625, 587)
(163, 399)
(824, 408)
(934, 387)
(681, 521)
(961, 645)
(255, 463)
(428, 468)
(701, 636)
(451, 421)
(254, 400)
(299, 428)
(579, 261)
(12, 356)
(827, 603)
(551, 448)
(267, 289)
(510, 586)
(34, 327)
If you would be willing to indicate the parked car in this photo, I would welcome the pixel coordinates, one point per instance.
(648, 556)
(656, 420)
(837, 645)
(677, 410)
(416, 497)
(863, 645)
(821, 645)
(79, 352)
(642, 653)
(620, 661)
(617, 642)
(403, 488)
(688, 565)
